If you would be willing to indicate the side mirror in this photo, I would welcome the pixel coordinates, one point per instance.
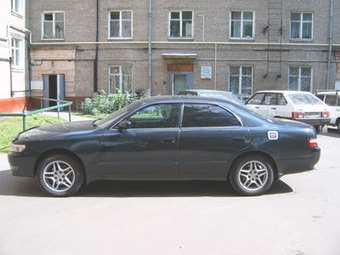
(125, 124)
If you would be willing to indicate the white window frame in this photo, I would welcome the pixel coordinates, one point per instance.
(241, 30)
(300, 77)
(53, 26)
(16, 50)
(120, 78)
(181, 24)
(301, 26)
(240, 79)
(120, 24)
(17, 7)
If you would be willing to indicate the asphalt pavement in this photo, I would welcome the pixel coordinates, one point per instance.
(298, 216)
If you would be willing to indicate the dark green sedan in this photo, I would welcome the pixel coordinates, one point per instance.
(167, 138)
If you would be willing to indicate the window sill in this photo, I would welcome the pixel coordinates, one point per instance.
(180, 38)
(237, 39)
(17, 14)
(120, 38)
(17, 69)
(301, 40)
(53, 39)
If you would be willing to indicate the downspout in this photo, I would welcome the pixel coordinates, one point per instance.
(95, 71)
(330, 43)
(150, 46)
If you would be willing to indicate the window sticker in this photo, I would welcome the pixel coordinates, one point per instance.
(273, 135)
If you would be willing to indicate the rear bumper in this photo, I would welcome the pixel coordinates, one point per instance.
(315, 122)
(296, 165)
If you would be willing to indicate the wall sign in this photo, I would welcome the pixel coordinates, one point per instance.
(206, 72)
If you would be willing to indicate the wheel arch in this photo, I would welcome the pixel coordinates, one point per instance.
(258, 153)
(63, 152)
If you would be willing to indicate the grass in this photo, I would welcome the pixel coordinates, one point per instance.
(10, 127)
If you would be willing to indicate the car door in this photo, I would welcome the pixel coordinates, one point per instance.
(209, 138)
(277, 105)
(147, 148)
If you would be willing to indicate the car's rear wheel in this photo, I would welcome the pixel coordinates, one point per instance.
(338, 125)
(60, 175)
(251, 175)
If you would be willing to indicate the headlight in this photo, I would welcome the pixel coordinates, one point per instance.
(17, 147)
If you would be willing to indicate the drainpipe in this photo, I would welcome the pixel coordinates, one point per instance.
(330, 43)
(150, 46)
(95, 71)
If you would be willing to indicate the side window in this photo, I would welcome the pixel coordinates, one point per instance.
(204, 115)
(156, 116)
(256, 99)
(270, 99)
(330, 100)
(281, 100)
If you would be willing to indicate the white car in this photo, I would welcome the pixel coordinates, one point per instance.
(332, 98)
(297, 105)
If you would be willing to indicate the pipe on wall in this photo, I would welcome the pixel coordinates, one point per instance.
(150, 46)
(330, 49)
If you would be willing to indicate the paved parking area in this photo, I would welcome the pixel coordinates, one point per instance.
(299, 216)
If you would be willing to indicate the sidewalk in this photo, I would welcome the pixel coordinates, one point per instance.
(64, 116)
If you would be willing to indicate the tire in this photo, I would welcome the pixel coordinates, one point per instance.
(60, 175)
(251, 175)
(338, 125)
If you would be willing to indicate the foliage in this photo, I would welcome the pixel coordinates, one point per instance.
(10, 127)
(105, 104)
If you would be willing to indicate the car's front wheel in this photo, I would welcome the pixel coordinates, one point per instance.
(251, 175)
(60, 175)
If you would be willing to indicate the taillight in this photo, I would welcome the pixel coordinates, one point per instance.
(325, 114)
(298, 115)
(313, 142)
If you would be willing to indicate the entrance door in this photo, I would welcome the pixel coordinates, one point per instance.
(54, 88)
(179, 81)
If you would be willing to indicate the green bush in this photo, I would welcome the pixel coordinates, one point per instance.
(105, 104)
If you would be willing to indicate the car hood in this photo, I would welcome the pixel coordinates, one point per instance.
(39, 133)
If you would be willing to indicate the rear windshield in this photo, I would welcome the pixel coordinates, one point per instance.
(301, 99)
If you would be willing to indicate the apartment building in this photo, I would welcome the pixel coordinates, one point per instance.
(13, 56)
(81, 47)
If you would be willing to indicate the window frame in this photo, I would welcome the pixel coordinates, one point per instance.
(240, 79)
(15, 50)
(301, 22)
(241, 24)
(299, 78)
(181, 25)
(120, 78)
(53, 25)
(18, 9)
(120, 37)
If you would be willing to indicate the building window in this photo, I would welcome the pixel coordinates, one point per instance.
(300, 78)
(17, 52)
(120, 79)
(180, 24)
(16, 6)
(242, 24)
(120, 24)
(53, 25)
(241, 80)
(301, 25)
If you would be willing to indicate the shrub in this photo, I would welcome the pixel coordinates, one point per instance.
(104, 104)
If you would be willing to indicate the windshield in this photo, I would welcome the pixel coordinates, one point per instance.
(303, 99)
(116, 115)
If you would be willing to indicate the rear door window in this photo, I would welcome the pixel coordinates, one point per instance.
(205, 115)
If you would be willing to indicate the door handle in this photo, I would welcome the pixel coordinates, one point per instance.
(168, 140)
(257, 107)
(241, 139)
(273, 108)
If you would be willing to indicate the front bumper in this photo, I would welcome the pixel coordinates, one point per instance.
(21, 165)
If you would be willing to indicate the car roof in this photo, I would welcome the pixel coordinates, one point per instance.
(335, 92)
(206, 90)
(284, 91)
(180, 99)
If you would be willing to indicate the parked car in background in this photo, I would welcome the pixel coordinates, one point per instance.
(296, 105)
(166, 138)
(332, 99)
(226, 95)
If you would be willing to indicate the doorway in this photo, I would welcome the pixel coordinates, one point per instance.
(53, 88)
(179, 81)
